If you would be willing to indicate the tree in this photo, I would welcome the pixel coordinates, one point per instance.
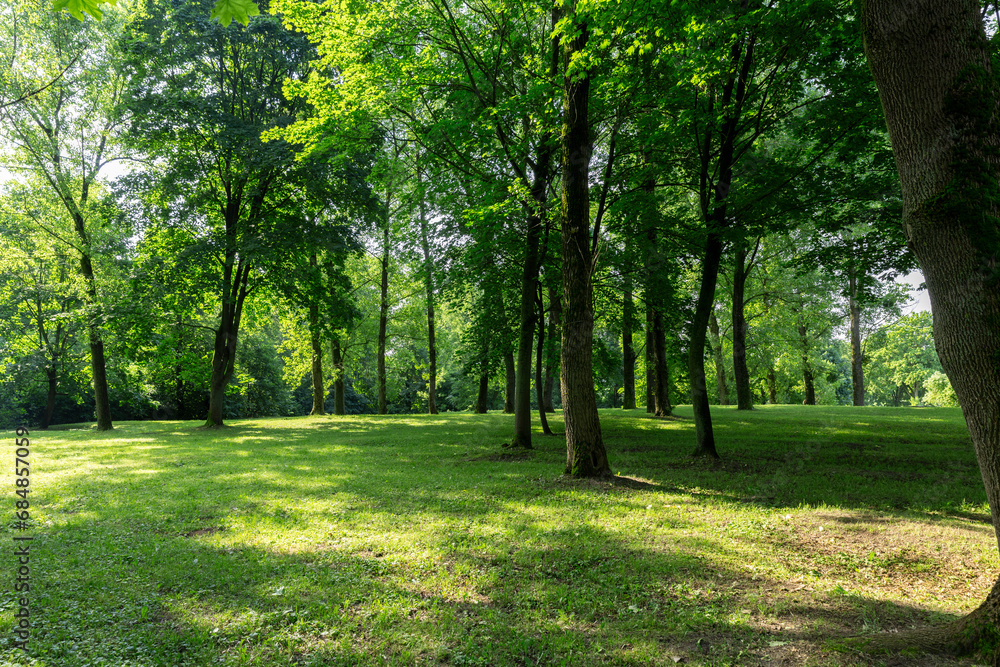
(207, 123)
(66, 134)
(933, 65)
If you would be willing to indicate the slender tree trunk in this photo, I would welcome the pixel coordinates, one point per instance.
(772, 386)
(339, 383)
(662, 393)
(741, 374)
(715, 343)
(50, 398)
(482, 399)
(807, 374)
(585, 453)
(551, 352)
(857, 371)
(628, 351)
(383, 318)
(511, 382)
(539, 356)
(319, 397)
(429, 287)
(650, 360)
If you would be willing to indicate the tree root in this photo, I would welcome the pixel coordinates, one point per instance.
(977, 634)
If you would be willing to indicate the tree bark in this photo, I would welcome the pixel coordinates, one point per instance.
(317, 353)
(741, 374)
(339, 384)
(704, 434)
(628, 351)
(772, 387)
(383, 317)
(857, 371)
(98, 365)
(585, 453)
(235, 277)
(429, 287)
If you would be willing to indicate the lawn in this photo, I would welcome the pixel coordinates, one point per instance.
(419, 540)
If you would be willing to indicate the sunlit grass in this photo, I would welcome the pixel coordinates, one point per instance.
(417, 539)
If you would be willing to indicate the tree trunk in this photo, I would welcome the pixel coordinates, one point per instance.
(741, 374)
(339, 384)
(383, 317)
(539, 356)
(772, 387)
(719, 358)
(551, 353)
(236, 274)
(50, 398)
(317, 353)
(650, 360)
(857, 372)
(585, 453)
(807, 374)
(511, 382)
(628, 352)
(482, 399)
(429, 287)
(661, 395)
(704, 434)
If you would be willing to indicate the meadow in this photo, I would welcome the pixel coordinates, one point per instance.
(420, 540)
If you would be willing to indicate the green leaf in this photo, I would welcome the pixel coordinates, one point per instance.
(80, 7)
(227, 10)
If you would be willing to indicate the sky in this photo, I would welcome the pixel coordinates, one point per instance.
(921, 300)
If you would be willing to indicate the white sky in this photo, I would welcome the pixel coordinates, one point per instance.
(921, 300)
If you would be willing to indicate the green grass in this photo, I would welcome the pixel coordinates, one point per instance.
(418, 540)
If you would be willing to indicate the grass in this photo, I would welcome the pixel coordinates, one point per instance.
(418, 540)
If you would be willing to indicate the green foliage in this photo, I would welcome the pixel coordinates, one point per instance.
(80, 7)
(225, 11)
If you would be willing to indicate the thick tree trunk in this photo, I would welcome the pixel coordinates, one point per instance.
(339, 384)
(429, 287)
(551, 353)
(511, 382)
(857, 371)
(628, 351)
(807, 374)
(715, 342)
(383, 318)
(317, 353)
(741, 374)
(585, 453)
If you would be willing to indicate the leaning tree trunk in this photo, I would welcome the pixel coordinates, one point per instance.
(339, 384)
(857, 371)
(585, 453)
(317, 353)
(741, 374)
